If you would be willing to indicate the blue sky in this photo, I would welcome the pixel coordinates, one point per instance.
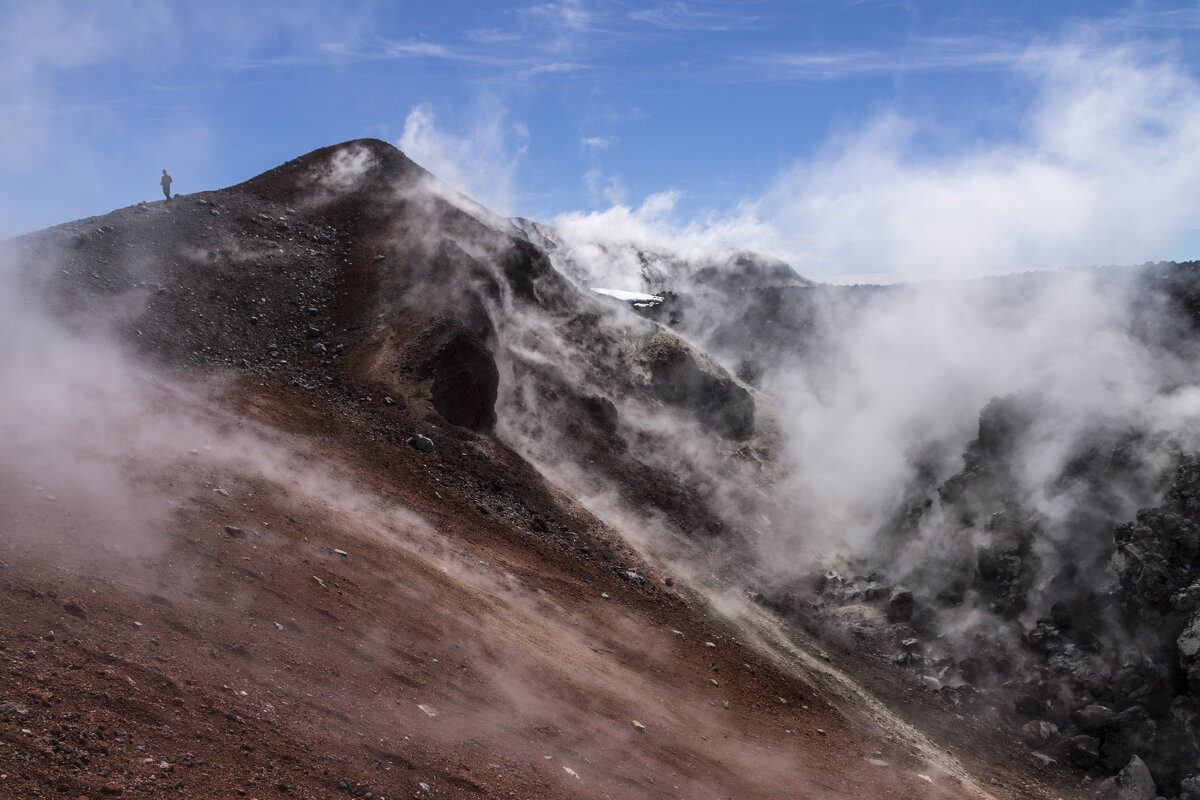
(855, 139)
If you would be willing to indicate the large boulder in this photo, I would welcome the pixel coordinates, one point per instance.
(1133, 782)
(1130, 732)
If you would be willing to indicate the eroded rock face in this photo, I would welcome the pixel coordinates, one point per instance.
(1155, 557)
(465, 383)
(1188, 645)
(603, 412)
(679, 376)
(464, 376)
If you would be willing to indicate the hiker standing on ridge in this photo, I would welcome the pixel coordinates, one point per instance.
(166, 184)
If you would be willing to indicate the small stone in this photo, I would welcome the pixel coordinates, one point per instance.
(112, 787)
(879, 762)
(1038, 733)
(221, 492)
(378, 258)
(278, 626)
(429, 710)
(319, 349)
(74, 607)
(421, 443)
(341, 553)
(710, 644)
(821, 732)
(8, 710)
(320, 582)
(604, 595)
(639, 727)
(388, 401)
(234, 532)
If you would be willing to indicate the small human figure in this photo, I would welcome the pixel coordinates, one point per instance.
(166, 184)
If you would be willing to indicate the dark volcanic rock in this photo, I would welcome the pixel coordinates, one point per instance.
(1129, 733)
(1079, 751)
(603, 412)
(900, 605)
(465, 378)
(679, 376)
(1157, 556)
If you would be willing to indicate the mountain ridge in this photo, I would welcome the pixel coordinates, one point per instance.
(338, 310)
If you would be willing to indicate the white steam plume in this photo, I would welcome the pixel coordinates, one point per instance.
(481, 163)
(1101, 171)
(909, 378)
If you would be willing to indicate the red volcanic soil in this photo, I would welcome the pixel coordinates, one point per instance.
(235, 578)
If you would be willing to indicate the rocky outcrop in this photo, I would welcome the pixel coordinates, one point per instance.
(463, 374)
(679, 375)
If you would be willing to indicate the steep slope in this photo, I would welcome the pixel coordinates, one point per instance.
(281, 516)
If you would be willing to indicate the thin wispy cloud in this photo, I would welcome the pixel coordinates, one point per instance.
(420, 49)
(376, 50)
(1177, 19)
(928, 55)
(594, 143)
(569, 14)
(690, 17)
(557, 67)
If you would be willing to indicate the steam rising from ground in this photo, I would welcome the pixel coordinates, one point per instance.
(481, 163)
(901, 390)
(343, 174)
